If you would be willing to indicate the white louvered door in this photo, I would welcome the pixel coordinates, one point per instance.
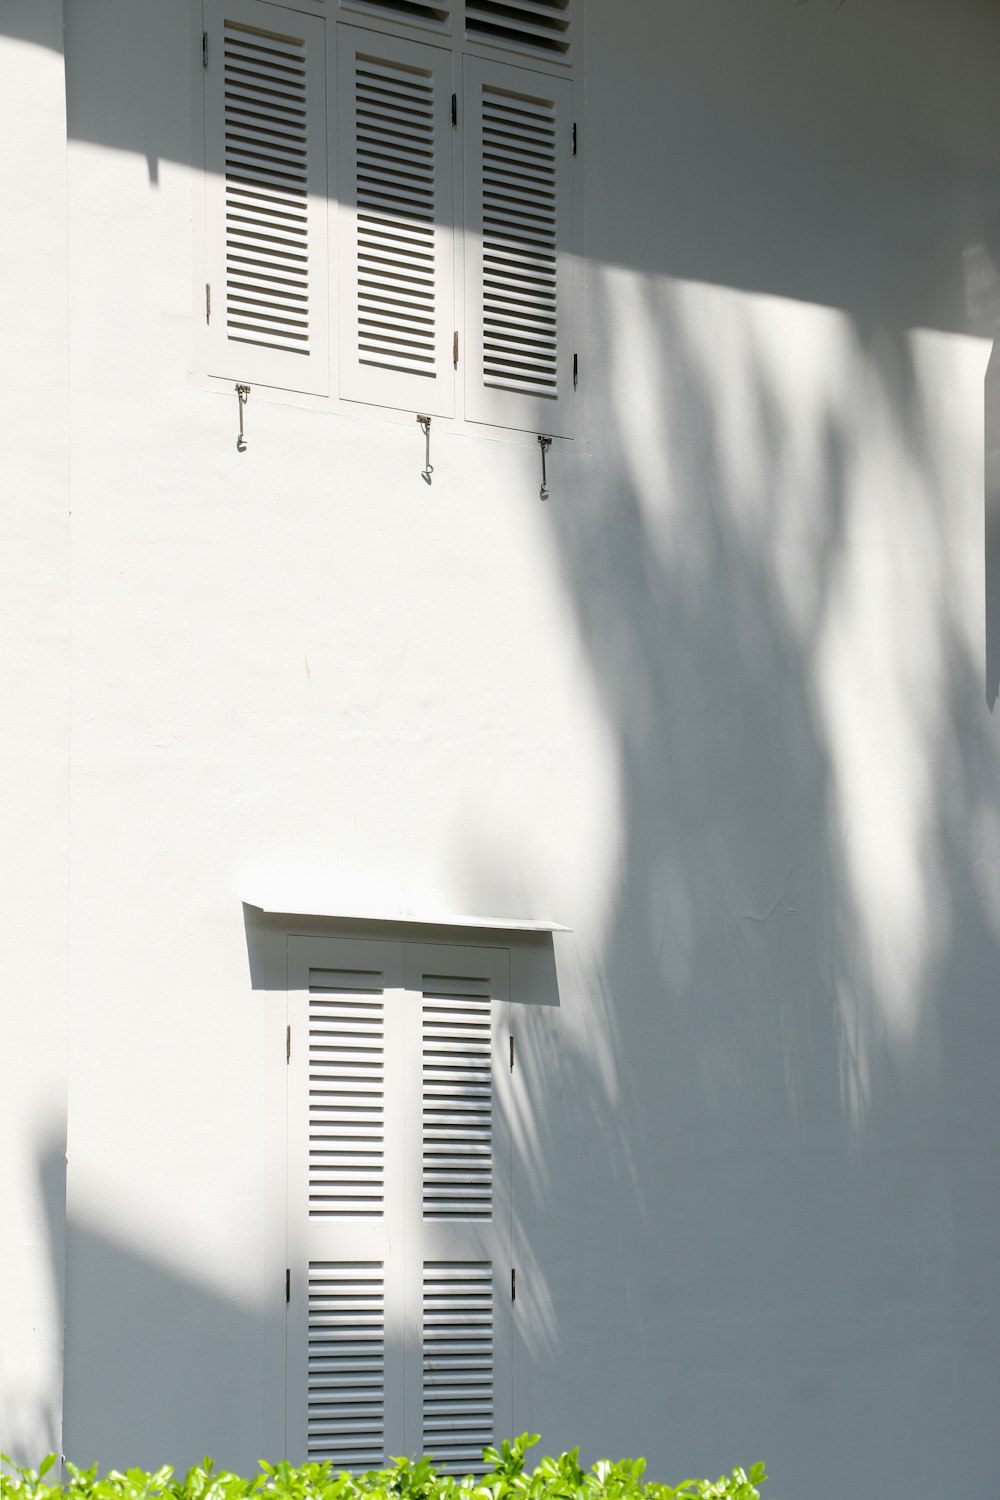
(396, 189)
(518, 258)
(266, 196)
(399, 1320)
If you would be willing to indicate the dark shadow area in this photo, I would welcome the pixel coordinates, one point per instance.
(757, 187)
(155, 1396)
(29, 21)
(842, 155)
(19, 1410)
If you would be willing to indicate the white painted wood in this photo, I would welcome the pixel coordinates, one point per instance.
(306, 899)
(458, 1308)
(345, 1204)
(518, 247)
(541, 26)
(396, 187)
(266, 196)
(399, 1201)
(433, 15)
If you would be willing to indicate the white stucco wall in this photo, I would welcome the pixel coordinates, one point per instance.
(34, 747)
(720, 706)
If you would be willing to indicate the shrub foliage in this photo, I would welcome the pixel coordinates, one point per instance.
(508, 1478)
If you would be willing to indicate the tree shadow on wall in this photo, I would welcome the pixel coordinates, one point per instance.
(798, 987)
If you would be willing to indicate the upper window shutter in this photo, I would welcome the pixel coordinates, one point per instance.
(518, 248)
(396, 214)
(543, 26)
(266, 195)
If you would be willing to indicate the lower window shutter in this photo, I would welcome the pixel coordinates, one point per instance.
(266, 196)
(399, 1324)
(519, 247)
(396, 191)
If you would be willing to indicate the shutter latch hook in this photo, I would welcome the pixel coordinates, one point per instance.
(242, 392)
(428, 468)
(545, 443)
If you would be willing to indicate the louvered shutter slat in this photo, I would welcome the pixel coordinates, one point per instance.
(458, 1363)
(396, 275)
(265, 115)
(519, 265)
(540, 25)
(415, 11)
(346, 1364)
(346, 1094)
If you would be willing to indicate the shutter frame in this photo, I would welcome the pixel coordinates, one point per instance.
(266, 198)
(396, 270)
(519, 248)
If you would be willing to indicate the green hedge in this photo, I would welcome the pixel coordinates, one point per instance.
(559, 1478)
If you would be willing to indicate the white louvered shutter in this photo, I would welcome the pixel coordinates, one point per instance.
(542, 26)
(430, 14)
(266, 196)
(400, 1319)
(458, 1356)
(344, 1361)
(396, 189)
(519, 247)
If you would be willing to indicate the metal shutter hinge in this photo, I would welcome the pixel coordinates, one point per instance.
(288, 1284)
(288, 1044)
(454, 109)
(208, 302)
(454, 349)
(576, 370)
(513, 1284)
(544, 443)
(574, 137)
(204, 49)
(512, 1052)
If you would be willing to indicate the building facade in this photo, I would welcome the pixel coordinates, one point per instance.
(492, 946)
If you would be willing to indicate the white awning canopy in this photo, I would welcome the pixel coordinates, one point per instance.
(311, 899)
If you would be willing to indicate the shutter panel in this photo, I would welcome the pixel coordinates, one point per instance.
(396, 216)
(458, 1364)
(458, 1361)
(344, 1372)
(346, 1094)
(518, 251)
(346, 1364)
(266, 195)
(457, 1099)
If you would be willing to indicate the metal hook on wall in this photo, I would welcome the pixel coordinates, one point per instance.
(428, 469)
(242, 392)
(545, 443)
